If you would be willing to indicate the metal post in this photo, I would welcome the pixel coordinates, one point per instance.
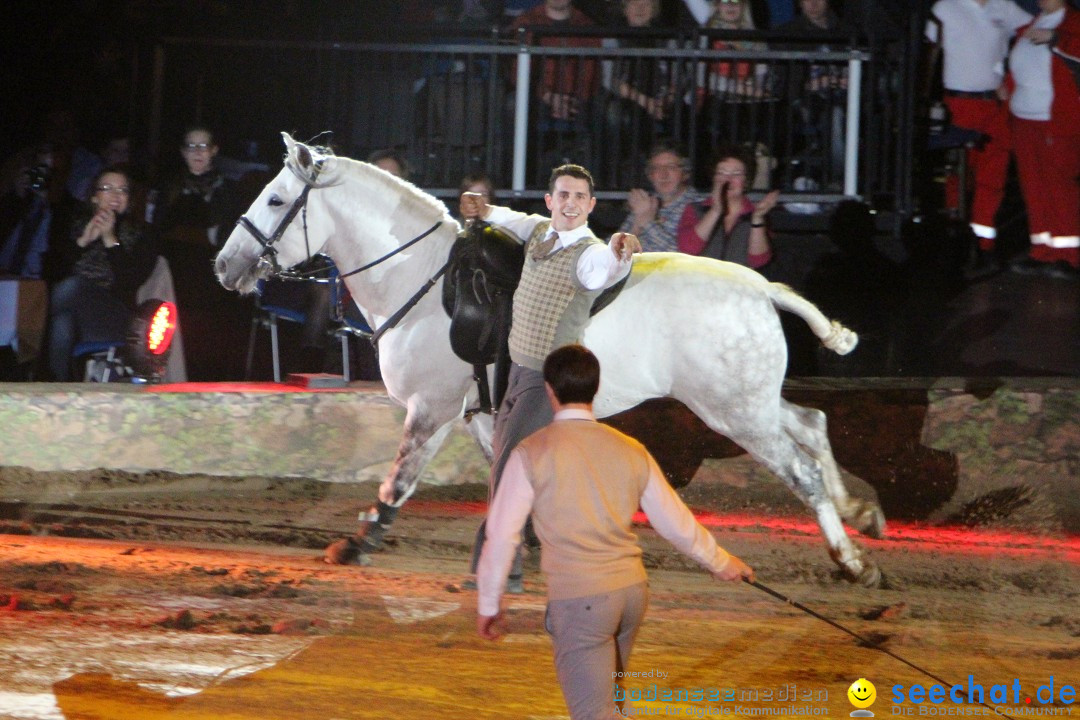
(274, 349)
(521, 118)
(346, 371)
(851, 135)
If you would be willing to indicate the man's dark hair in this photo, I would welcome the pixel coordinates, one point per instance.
(573, 372)
(575, 171)
(188, 129)
(115, 170)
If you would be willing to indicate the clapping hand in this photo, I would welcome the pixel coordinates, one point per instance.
(643, 206)
(767, 203)
(102, 226)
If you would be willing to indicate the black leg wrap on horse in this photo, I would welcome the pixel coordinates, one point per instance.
(379, 519)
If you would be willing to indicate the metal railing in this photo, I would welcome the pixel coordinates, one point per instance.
(827, 123)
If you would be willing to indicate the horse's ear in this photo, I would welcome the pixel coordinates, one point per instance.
(303, 157)
(289, 142)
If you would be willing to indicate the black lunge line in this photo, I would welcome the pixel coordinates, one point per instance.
(865, 641)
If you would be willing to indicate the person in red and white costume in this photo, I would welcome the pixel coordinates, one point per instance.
(974, 37)
(1045, 115)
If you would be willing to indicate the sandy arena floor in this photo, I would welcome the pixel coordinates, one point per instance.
(197, 597)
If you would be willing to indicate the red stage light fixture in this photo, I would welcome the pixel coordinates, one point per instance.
(150, 338)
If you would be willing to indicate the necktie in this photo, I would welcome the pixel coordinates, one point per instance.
(541, 249)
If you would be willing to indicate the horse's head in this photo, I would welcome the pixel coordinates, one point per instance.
(276, 232)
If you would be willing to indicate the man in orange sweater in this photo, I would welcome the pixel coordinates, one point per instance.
(583, 482)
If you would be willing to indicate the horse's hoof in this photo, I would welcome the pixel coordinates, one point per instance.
(857, 569)
(870, 521)
(869, 577)
(346, 551)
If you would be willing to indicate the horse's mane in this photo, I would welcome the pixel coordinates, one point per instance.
(415, 199)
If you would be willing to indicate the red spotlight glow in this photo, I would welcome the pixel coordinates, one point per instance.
(159, 334)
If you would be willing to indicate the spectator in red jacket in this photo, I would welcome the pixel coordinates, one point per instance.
(564, 83)
(1044, 112)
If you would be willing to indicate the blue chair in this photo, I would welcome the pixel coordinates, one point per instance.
(343, 324)
(103, 360)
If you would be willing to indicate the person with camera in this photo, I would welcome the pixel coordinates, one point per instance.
(112, 258)
(26, 216)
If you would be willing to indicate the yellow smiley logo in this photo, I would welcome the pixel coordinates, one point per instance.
(862, 693)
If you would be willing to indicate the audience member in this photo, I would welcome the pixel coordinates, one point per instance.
(391, 161)
(639, 91)
(737, 93)
(728, 225)
(818, 92)
(654, 218)
(201, 201)
(597, 586)
(1045, 115)
(974, 36)
(740, 78)
(563, 84)
(72, 163)
(763, 13)
(192, 217)
(26, 220)
(478, 184)
(26, 215)
(112, 259)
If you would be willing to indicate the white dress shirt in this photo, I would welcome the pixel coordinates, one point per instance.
(598, 268)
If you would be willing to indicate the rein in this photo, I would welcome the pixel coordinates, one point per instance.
(268, 261)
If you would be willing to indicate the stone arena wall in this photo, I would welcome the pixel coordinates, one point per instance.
(942, 450)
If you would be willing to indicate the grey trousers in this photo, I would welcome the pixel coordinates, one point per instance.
(593, 636)
(524, 410)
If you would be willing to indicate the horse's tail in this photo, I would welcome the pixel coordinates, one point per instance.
(833, 335)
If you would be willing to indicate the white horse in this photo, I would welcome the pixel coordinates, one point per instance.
(704, 332)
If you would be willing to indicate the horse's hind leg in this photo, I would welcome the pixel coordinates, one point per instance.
(807, 426)
(418, 445)
(803, 474)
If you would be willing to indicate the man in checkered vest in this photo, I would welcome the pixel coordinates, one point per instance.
(566, 267)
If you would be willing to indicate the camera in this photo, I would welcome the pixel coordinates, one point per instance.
(39, 177)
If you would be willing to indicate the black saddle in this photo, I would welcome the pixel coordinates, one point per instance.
(478, 290)
(485, 267)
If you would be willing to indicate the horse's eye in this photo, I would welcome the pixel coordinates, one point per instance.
(275, 201)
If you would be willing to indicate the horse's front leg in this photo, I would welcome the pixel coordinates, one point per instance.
(422, 439)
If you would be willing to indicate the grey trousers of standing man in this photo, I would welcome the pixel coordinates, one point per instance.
(592, 637)
(524, 410)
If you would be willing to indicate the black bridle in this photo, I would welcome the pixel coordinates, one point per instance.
(268, 261)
